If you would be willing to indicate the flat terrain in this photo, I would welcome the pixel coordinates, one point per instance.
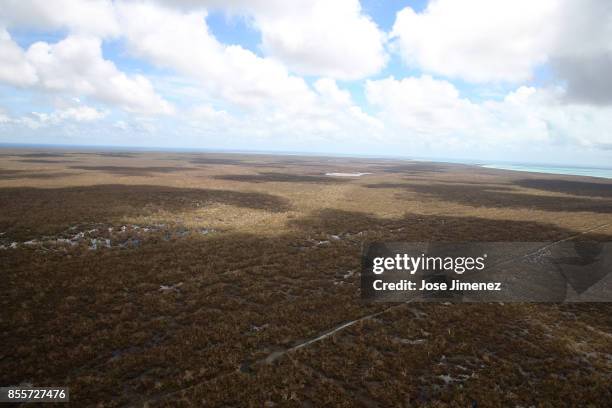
(167, 279)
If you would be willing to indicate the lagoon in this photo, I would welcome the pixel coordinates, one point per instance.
(552, 169)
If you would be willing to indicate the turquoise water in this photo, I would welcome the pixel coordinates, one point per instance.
(576, 171)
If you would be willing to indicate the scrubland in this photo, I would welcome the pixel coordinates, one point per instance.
(167, 279)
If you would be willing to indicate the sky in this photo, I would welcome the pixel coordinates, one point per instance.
(486, 80)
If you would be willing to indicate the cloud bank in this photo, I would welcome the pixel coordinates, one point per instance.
(455, 74)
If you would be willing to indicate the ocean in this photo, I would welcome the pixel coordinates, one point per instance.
(555, 169)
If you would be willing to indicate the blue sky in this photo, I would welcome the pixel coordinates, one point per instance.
(484, 79)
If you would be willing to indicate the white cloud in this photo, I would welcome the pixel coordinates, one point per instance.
(75, 65)
(499, 40)
(582, 56)
(208, 114)
(121, 125)
(329, 90)
(82, 114)
(327, 38)
(423, 105)
(78, 114)
(312, 37)
(432, 112)
(330, 116)
(263, 99)
(58, 117)
(479, 40)
(564, 122)
(271, 101)
(4, 118)
(95, 17)
(181, 41)
(14, 67)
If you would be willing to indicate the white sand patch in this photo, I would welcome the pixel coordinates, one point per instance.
(346, 174)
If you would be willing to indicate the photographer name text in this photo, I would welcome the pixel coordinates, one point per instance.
(456, 285)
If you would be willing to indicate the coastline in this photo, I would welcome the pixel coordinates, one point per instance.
(556, 170)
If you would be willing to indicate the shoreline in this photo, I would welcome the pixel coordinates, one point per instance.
(535, 168)
(594, 172)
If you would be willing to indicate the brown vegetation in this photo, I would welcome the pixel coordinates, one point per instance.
(279, 177)
(476, 195)
(132, 171)
(191, 318)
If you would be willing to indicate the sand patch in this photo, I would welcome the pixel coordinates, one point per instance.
(346, 174)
